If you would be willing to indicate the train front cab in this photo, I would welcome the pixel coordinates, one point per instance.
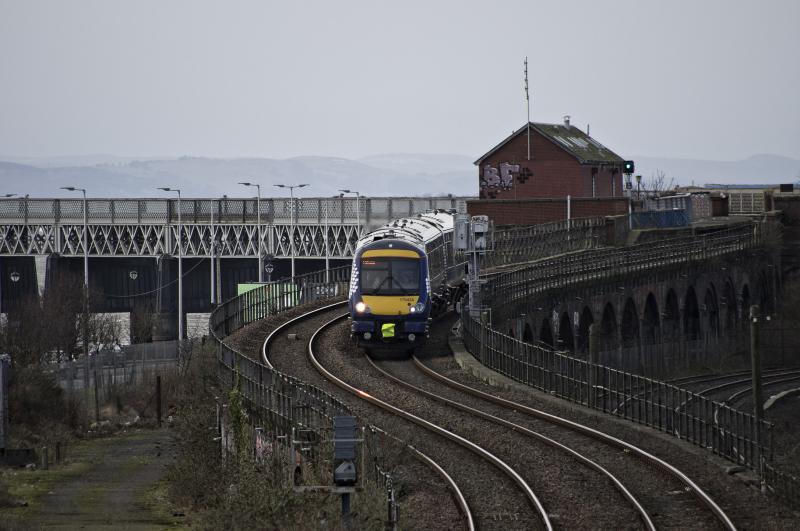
(390, 302)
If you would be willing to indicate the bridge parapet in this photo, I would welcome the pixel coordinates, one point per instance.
(502, 289)
(314, 228)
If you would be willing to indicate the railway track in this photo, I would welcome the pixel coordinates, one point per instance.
(517, 435)
(510, 504)
(666, 504)
(637, 470)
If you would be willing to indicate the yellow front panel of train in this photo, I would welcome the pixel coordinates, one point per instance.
(390, 304)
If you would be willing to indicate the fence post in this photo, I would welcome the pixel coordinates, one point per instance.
(758, 398)
(594, 339)
(158, 399)
(96, 399)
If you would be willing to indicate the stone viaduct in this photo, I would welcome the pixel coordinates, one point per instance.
(656, 318)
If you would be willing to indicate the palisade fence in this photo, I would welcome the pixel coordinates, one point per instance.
(281, 403)
(724, 430)
(106, 375)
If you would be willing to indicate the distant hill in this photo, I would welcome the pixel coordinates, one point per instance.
(379, 175)
(758, 169)
(208, 177)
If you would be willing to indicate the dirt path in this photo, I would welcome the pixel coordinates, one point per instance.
(108, 483)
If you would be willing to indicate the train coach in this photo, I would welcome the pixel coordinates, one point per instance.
(404, 273)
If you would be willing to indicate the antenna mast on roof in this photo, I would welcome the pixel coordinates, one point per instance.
(528, 102)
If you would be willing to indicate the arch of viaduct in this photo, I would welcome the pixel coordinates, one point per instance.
(655, 321)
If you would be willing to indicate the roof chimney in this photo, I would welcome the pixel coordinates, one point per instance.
(566, 120)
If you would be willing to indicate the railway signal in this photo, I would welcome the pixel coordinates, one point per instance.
(628, 167)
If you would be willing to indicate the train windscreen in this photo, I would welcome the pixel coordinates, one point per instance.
(390, 276)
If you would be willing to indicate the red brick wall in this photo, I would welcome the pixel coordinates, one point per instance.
(555, 173)
(535, 211)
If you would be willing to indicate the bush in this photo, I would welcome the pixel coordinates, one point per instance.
(39, 410)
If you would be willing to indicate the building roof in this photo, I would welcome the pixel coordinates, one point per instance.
(569, 138)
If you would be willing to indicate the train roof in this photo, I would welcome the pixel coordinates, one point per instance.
(419, 229)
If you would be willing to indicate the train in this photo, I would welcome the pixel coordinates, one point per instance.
(404, 274)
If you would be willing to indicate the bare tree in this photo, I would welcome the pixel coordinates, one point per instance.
(658, 183)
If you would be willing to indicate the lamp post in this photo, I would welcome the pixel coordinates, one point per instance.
(325, 239)
(180, 264)
(212, 243)
(291, 217)
(358, 208)
(1, 276)
(258, 231)
(85, 286)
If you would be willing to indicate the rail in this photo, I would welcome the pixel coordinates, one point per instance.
(735, 436)
(276, 399)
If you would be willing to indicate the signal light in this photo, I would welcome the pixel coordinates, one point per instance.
(628, 167)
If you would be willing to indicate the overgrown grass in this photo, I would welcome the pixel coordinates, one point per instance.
(237, 492)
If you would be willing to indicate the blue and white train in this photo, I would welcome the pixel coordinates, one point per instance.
(403, 273)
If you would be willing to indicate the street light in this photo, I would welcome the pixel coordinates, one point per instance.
(180, 263)
(358, 208)
(1, 280)
(258, 221)
(291, 217)
(85, 283)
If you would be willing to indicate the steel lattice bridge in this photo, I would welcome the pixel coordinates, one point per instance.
(314, 228)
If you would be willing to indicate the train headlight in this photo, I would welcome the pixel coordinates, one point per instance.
(418, 308)
(361, 307)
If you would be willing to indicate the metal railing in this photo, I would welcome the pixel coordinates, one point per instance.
(522, 244)
(653, 403)
(726, 431)
(281, 401)
(501, 290)
(368, 210)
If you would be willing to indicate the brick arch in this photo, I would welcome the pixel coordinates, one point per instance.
(546, 332)
(671, 323)
(608, 328)
(651, 321)
(765, 293)
(729, 303)
(629, 327)
(566, 339)
(746, 301)
(527, 333)
(692, 327)
(711, 304)
(586, 320)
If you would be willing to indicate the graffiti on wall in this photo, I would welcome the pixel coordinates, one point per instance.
(501, 178)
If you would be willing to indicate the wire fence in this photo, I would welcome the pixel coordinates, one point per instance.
(284, 405)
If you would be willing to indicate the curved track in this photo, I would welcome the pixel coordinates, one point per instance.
(461, 500)
(481, 452)
(645, 456)
(636, 504)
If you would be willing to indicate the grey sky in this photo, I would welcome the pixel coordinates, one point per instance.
(696, 79)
